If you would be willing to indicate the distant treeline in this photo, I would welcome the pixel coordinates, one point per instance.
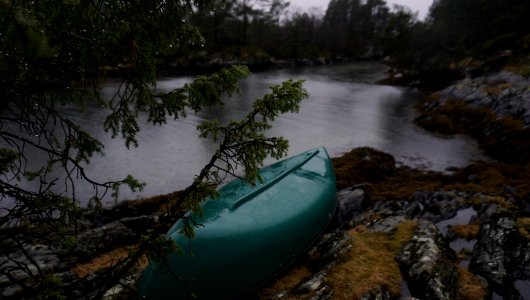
(262, 29)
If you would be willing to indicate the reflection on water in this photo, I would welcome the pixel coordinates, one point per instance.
(345, 110)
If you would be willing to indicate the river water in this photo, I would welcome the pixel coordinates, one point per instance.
(346, 109)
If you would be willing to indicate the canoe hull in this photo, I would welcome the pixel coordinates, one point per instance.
(250, 233)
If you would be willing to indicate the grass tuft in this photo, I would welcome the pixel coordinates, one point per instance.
(470, 287)
(371, 263)
(105, 261)
(286, 283)
(468, 232)
(523, 224)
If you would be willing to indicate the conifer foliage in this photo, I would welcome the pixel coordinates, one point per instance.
(55, 54)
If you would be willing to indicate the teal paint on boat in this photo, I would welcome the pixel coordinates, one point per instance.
(249, 233)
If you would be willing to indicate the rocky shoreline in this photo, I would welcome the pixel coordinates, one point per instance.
(470, 238)
(400, 233)
(493, 108)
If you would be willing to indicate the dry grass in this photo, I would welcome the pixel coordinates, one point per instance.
(370, 263)
(523, 224)
(286, 283)
(106, 260)
(468, 232)
(470, 287)
(497, 200)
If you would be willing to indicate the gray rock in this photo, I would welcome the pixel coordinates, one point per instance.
(510, 98)
(438, 205)
(140, 224)
(508, 77)
(100, 239)
(43, 258)
(386, 225)
(313, 284)
(426, 262)
(324, 293)
(501, 255)
(351, 203)
(329, 249)
(414, 209)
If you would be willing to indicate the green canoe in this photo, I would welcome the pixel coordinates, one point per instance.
(250, 232)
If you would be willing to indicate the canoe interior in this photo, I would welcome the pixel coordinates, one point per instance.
(249, 232)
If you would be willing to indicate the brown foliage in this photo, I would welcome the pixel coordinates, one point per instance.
(363, 165)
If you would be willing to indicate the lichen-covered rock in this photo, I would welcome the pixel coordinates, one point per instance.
(330, 248)
(386, 225)
(426, 263)
(497, 253)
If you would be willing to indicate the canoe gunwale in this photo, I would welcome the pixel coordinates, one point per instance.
(278, 248)
(273, 181)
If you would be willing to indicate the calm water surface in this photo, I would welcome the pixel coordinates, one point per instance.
(345, 110)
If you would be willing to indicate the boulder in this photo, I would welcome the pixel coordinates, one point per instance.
(426, 263)
(500, 255)
(351, 203)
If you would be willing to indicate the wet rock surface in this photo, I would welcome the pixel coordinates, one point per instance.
(427, 264)
(351, 201)
(501, 254)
